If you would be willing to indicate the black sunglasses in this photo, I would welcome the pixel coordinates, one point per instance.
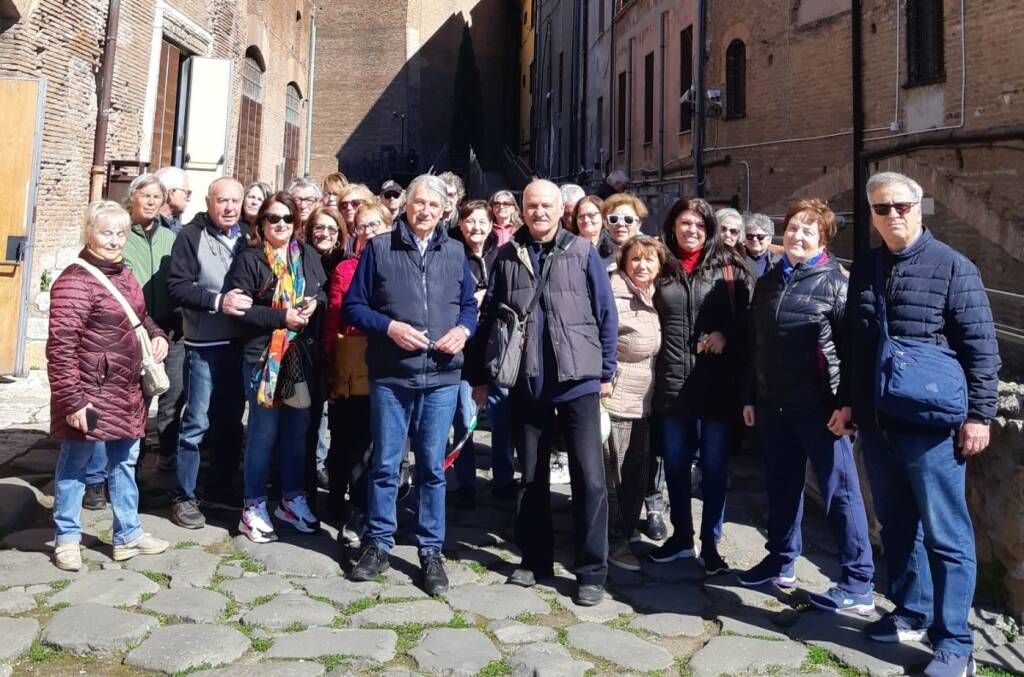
(275, 218)
(391, 194)
(732, 231)
(901, 208)
(756, 236)
(613, 219)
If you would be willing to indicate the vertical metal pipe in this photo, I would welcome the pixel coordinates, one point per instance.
(661, 99)
(309, 90)
(861, 234)
(699, 98)
(99, 144)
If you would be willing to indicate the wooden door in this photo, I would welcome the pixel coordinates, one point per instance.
(21, 101)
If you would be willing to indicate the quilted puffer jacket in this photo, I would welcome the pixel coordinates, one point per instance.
(93, 356)
(639, 341)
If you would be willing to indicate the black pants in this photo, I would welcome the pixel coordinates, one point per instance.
(536, 425)
(348, 460)
(170, 404)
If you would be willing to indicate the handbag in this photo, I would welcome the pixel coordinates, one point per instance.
(153, 378)
(916, 381)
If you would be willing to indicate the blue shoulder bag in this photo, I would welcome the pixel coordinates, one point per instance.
(916, 381)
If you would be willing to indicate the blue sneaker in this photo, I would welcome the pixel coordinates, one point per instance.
(949, 664)
(894, 628)
(767, 571)
(839, 599)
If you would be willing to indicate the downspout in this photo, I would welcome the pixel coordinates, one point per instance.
(661, 99)
(629, 111)
(861, 234)
(574, 82)
(606, 167)
(99, 144)
(699, 99)
(309, 89)
(584, 56)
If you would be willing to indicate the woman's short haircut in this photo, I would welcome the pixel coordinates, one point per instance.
(256, 238)
(467, 208)
(261, 186)
(726, 213)
(306, 182)
(144, 181)
(455, 181)
(583, 202)
(334, 182)
(356, 188)
(103, 214)
(820, 214)
(377, 207)
(333, 214)
(645, 244)
(617, 200)
(758, 221)
(571, 193)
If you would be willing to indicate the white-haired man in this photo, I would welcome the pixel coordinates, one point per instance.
(175, 180)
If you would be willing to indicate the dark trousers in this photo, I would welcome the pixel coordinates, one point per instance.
(536, 425)
(170, 404)
(349, 457)
(654, 499)
(788, 440)
(627, 458)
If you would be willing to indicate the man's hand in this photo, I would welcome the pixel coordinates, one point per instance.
(480, 395)
(973, 437)
(295, 320)
(307, 310)
(408, 338)
(749, 415)
(839, 423)
(714, 343)
(452, 342)
(78, 419)
(159, 348)
(606, 389)
(235, 302)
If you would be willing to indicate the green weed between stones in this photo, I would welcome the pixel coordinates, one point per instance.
(185, 544)
(529, 619)
(197, 668)
(818, 658)
(158, 578)
(478, 568)
(41, 654)
(295, 627)
(334, 662)
(245, 562)
(495, 669)
(146, 596)
(263, 600)
(260, 644)
(987, 671)
(61, 605)
(57, 586)
(359, 605)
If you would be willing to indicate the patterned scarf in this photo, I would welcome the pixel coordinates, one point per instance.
(287, 269)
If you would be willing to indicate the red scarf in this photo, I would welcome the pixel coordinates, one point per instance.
(688, 259)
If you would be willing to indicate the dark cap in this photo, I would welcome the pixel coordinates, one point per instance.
(390, 185)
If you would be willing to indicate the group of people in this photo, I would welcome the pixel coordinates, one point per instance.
(386, 319)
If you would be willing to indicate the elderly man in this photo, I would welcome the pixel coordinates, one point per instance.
(412, 295)
(758, 230)
(391, 195)
(932, 299)
(571, 194)
(567, 364)
(615, 183)
(175, 180)
(200, 259)
(307, 196)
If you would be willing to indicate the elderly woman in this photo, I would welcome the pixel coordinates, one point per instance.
(332, 187)
(588, 222)
(571, 194)
(796, 327)
(758, 230)
(284, 278)
(307, 195)
(456, 191)
(507, 218)
(642, 261)
(696, 390)
(94, 363)
(255, 194)
(731, 222)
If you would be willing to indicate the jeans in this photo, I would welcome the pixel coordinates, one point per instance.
(680, 438)
(214, 402)
(96, 470)
(70, 487)
(465, 464)
(172, 402)
(423, 416)
(788, 441)
(627, 457)
(282, 428)
(918, 485)
(654, 500)
(502, 446)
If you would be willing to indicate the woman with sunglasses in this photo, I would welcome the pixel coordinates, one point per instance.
(623, 215)
(349, 199)
(284, 278)
(507, 218)
(731, 222)
(758, 230)
(588, 222)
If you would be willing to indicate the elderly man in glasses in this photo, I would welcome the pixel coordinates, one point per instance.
(927, 294)
(391, 194)
(175, 181)
(758, 230)
(307, 195)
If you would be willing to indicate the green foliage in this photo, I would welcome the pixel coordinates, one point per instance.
(359, 605)
(263, 600)
(146, 596)
(57, 586)
(495, 669)
(158, 578)
(41, 654)
(185, 544)
(820, 658)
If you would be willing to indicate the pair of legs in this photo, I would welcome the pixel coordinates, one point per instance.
(627, 458)
(75, 457)
(465, 464)
(348, 462)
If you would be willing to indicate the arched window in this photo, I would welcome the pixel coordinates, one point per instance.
(736, 80)
(250, 118)
(292, 122)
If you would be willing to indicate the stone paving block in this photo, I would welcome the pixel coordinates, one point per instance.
(247, 589)
(678, 598)
(186, 568)
(426, 611)
(622, 648)
(1008, 657)
(460, 574)
(161, 526)
(339, 590)
(546, 659)
(195, 605)
(841, 635)
(377, 645)
(110, 588)
(266, 669)
(402, 592)
(229, 571)
(19, 503)
(289, 609)
(13, 602)
(96, 629)
(497, 601)
(751, 625)
(312, 555)
(447, 651)
(669, 625)
(607, 609)
(508, 631)
(175, 648)
(16, 636)
(742, 655)
(729, 595)
(30, 568)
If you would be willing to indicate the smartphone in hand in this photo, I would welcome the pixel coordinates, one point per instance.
(92, 419)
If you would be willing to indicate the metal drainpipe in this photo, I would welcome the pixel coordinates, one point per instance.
(612, 79)
(699, 99)
(629, 111)
(309, 90)
(861, 234)
(99, 144)
(661, 99)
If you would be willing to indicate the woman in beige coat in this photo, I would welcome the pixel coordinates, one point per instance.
(641, 261)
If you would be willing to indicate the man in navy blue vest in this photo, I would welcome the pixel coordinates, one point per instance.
(412, 295)
(933, 294)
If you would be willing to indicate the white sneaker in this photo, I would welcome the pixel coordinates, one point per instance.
(255, 523)
(560, 469)
(296, 512)
(68, 556)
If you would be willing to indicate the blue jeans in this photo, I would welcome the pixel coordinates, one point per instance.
(918, 486)
(96, 470)
(283, 428)
(322, 448)
(788, 441)
(679, 439)
(70, 487)
(465, 464)
(499, 413)
(214, 402)
(422, 416)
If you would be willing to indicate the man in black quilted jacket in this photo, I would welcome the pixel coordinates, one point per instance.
(933, 294)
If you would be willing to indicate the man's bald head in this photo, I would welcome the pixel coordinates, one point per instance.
(542, 208)
(224, 202)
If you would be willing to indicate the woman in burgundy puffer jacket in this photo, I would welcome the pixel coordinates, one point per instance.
(94, 365)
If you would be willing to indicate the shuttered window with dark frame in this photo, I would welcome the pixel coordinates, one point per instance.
(166, 110)
(292, 119)
(736, 80)
(620, 122)
(685, 78)
(649, 97)
(250, 121)
(925, 42)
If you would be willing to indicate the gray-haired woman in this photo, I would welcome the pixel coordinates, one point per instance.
(731, 222)
(507, 218)
(758, 232)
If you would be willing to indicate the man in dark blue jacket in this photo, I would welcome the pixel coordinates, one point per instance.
(412, 295)
(933, 294)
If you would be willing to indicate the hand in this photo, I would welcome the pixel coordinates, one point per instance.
(452, 342)
(839, 423)
(714, 343)
(295, 320)
(973, 437)
(307, 310)
(159, 348)
(408, 338)
(78, 420)
(749, 415)
(606, 389)
(480, 395)
(235, 302)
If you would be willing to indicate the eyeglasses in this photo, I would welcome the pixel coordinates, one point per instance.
(589, 216)
(187, 193)
(372, 225)
(884, 208)
(391, 195)
(504, 204)
(321, 228)
(732, 231)
(614, 219)
(277, 218)
(350, 204)
(306, 200)
(756, 236)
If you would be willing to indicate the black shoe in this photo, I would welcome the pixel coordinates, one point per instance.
(673, 549)
(322, 480)
(588, 595)
(372, 563)
(186, 514)
(94, 498)
(523, 578)
(712, 561)
(505, 492)
(656, 529)
(435, 580)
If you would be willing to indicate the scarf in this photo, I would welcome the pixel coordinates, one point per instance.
(287, 269)
(788, 268)
(688, 260)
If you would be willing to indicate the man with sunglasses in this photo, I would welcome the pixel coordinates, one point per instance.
(932, 295)
(758, 230)
(391, 195)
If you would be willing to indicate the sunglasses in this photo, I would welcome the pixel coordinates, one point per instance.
(760, 237)
(391, 194)
(277, 218)
(732, 231)
(901, 208)
(504, 204)
(350, 204)
(615, 219)
(305, 200)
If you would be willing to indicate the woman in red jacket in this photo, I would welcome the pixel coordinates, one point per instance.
(94, 364)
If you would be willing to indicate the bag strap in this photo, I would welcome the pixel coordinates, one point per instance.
(118, 296)
(545, 274)
(879, 290)
(730, 284)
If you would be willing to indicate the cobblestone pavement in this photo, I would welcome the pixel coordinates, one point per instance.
(216, 604)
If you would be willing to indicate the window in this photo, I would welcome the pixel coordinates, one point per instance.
(166, 125)
(600, 16)
(736, 80)
(649, 97)
(292, 120)
(620, 122)
(925, 49)
(250, 120)
(561, 78)
(685, 78)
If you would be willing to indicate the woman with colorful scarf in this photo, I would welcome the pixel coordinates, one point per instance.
(285, 278)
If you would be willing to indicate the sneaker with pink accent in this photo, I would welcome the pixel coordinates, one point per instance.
(295, 511)
(255, 523)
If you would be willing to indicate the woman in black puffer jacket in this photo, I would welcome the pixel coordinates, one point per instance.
(796, 320)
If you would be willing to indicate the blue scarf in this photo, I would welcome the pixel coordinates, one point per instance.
(788, 268)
